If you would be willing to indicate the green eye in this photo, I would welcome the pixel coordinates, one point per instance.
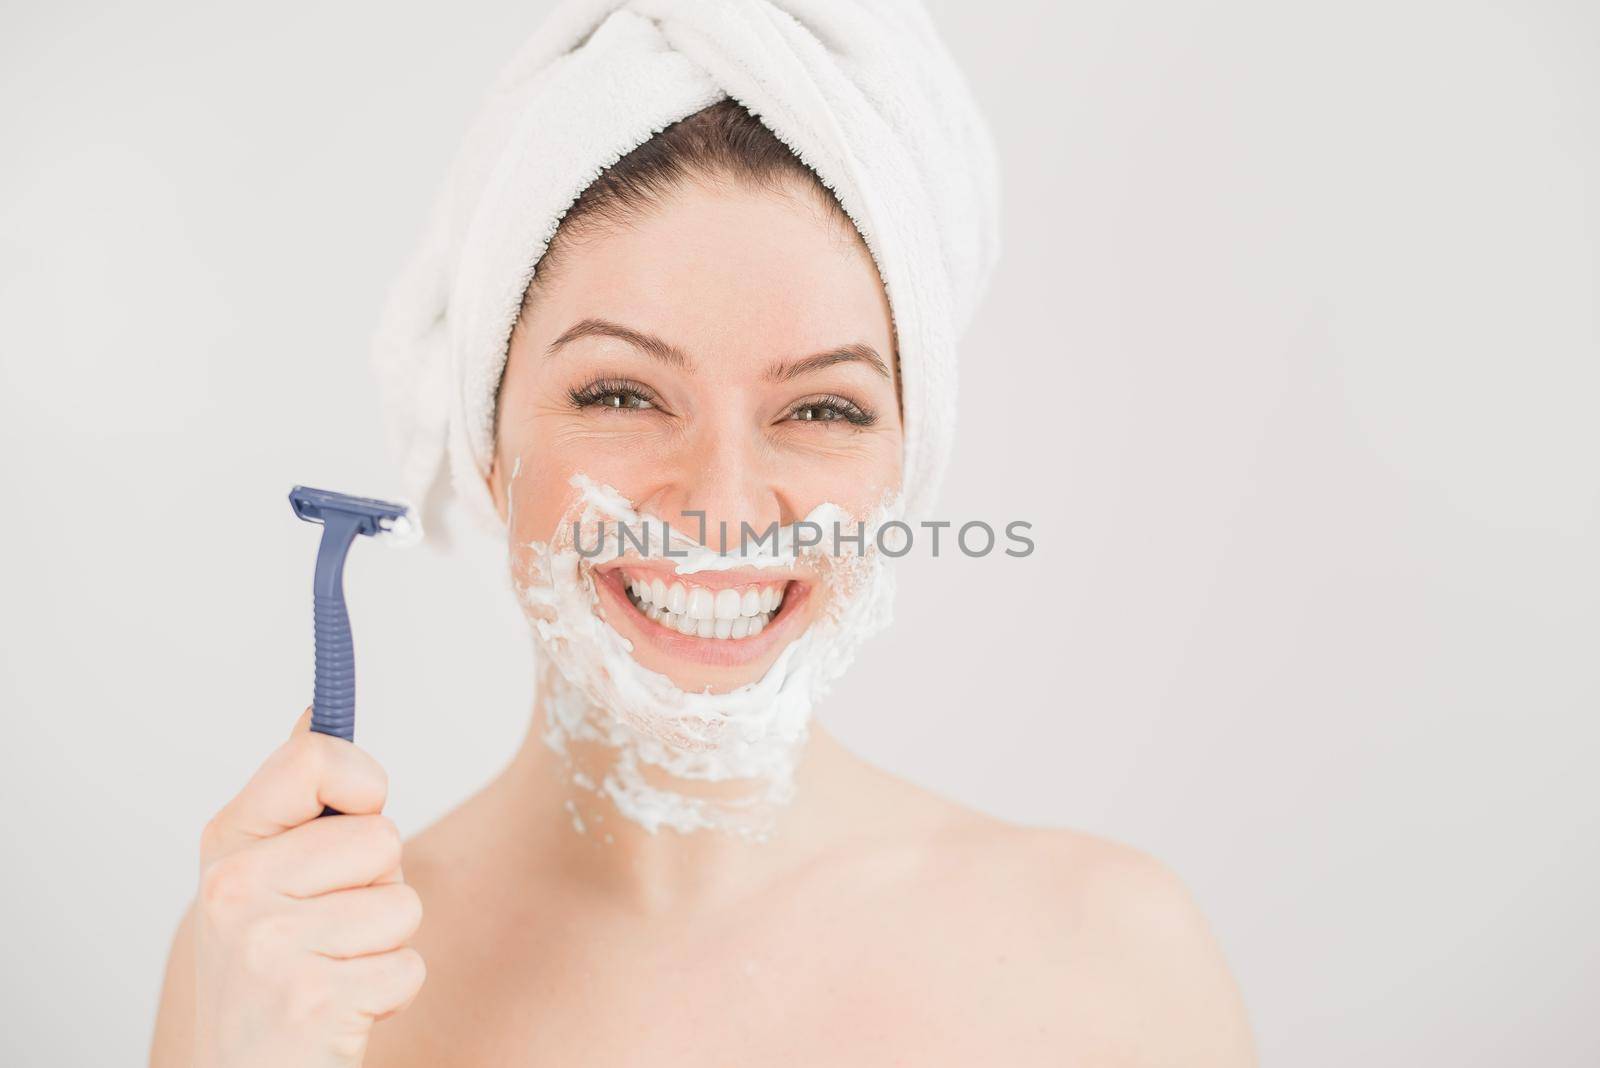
(831, 409)
(816, 413)
(622, 400)
(611, 393)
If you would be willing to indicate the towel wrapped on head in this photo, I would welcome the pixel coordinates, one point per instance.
(864, 93)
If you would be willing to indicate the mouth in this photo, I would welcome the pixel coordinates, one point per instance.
(718, 618)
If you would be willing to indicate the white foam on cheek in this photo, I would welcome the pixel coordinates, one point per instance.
(754, 734)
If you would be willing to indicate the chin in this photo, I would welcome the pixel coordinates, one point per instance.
(706, 631)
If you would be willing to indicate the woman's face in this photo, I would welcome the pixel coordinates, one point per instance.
(731, 354)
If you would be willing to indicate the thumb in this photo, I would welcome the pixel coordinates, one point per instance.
(302, 724)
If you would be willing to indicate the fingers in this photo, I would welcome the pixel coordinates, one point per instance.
(356, 923)
(303, 922)
(308, 771)
(333, 853)
(384, 983)
(393, 876)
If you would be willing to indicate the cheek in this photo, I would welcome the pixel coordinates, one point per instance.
(542, 493)
(857, 479)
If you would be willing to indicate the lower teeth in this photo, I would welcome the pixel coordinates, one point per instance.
(732, 629)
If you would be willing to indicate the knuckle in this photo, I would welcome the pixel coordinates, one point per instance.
(226, 886)
(411, 971)
(408, 909)
(386, 841)
(380, 777)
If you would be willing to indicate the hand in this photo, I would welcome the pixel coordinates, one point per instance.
(302, 924)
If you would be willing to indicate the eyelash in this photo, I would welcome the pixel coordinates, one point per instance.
(637, 398)
(634, 395)
(842, 409)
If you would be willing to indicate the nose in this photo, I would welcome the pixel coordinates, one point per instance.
(721, 480)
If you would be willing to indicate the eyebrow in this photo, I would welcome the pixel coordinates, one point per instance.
(648, 343)
(856, 352)
(670, 354)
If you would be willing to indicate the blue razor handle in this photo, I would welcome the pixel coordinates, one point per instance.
(343, 517)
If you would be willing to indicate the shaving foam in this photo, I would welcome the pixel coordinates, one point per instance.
(403, 530)
(753, 735)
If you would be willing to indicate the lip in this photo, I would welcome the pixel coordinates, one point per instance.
(716, 652)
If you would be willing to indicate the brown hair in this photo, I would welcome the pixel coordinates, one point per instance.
(723, 142)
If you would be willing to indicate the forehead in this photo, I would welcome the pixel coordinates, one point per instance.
(729, 274)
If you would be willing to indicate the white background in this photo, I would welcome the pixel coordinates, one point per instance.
(1292, 360)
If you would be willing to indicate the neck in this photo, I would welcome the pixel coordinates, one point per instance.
(589, 804)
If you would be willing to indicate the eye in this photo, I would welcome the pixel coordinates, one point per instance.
(831, 408)
(613, 393)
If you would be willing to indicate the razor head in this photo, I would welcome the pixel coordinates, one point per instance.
(371, 516)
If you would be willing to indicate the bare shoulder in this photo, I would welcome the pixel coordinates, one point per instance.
(1122, 955)
(1105, 889)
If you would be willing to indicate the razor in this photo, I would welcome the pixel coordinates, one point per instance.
(343, 517)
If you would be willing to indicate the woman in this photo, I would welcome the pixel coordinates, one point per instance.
(707, 339)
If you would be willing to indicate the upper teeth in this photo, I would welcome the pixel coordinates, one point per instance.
(690, 609)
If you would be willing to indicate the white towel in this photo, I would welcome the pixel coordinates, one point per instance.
(863, 91)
